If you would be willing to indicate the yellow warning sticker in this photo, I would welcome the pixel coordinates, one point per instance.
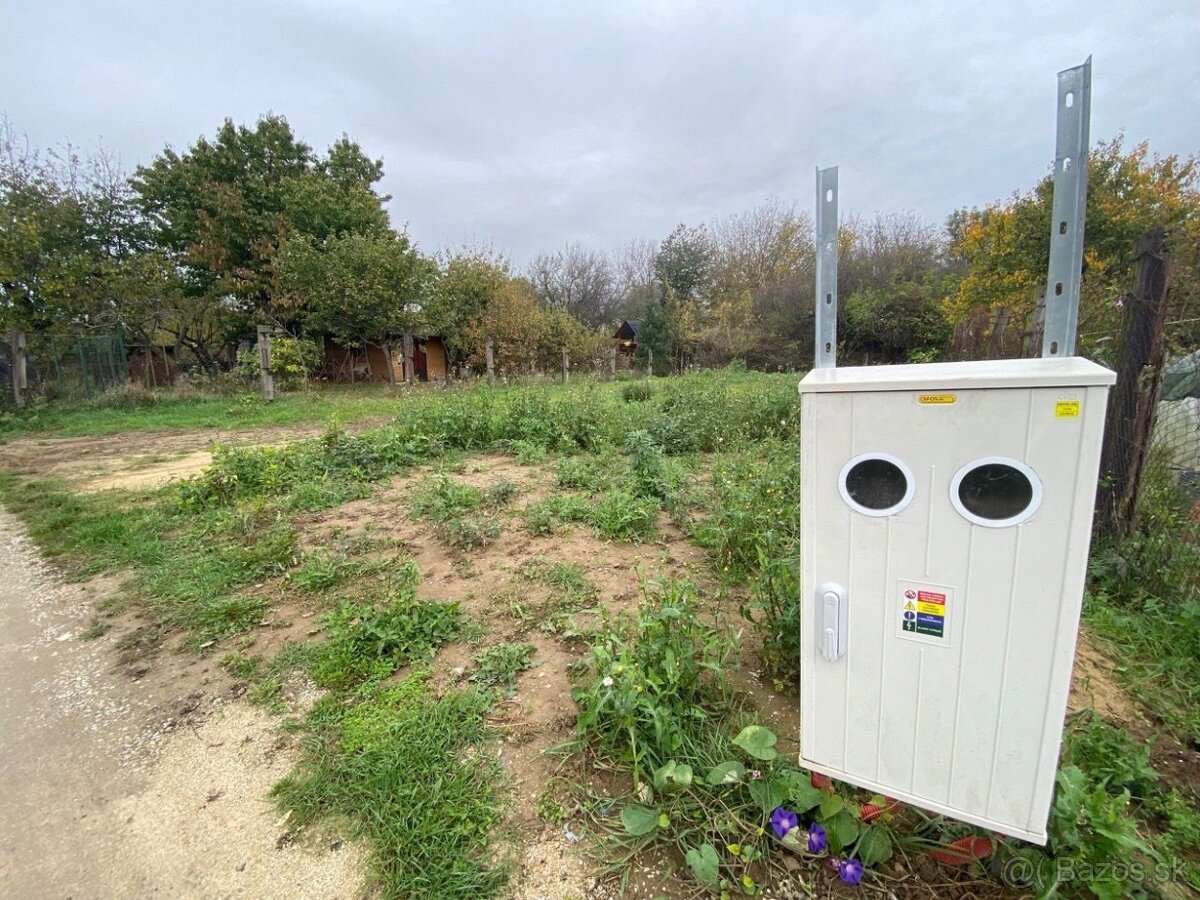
(937, 399)
(1067, 409)
(937, 609)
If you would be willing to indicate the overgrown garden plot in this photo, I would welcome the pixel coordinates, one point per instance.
(575, 607)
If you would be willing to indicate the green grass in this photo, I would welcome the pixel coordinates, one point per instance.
(368, 639)
(556, 512)
(570, 588)
(165, 410)
(410, 772)
(570, 591)
(185, 568)
(1143, 602)
(468, 532)
(621, 458)
(88, 533)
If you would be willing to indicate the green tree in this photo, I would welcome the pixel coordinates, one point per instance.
(358, 287)
(514, 321)
(684, 263)
(44, 258)
(467, 282)
(653, 334)
(223, 207)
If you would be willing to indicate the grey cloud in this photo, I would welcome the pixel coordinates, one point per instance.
(534, 124)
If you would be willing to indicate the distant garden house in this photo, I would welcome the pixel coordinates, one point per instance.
(371, 361)
(627, 338)
(154, 364)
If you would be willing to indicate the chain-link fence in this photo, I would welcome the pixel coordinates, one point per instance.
(72, 366)
(1176, 438)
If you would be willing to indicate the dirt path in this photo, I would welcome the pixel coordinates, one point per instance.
(116, 788)
(136, 461)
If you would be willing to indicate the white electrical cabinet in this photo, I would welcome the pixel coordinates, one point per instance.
(946, 514)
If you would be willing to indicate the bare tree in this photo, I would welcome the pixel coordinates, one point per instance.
(759, 248)
(579, 280)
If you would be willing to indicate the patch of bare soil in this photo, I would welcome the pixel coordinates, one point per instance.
(150, 785)
(495, 587)
(1094, 686)
(133, 461)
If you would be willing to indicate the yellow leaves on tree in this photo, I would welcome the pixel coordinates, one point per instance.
(1005, 247)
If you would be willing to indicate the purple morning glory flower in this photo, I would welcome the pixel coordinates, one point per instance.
(850, 870)
(816, 838)
(783, 821)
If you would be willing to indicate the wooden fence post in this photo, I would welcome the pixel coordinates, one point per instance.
(1134, 398)
(491, 362)
(387, 359)
(266, 379)
(1037, 329)
(566, 366)
(20, 379)
(409, 374)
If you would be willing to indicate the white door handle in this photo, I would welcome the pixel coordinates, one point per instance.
(832, 620)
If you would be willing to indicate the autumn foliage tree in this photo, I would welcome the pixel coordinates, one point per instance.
(1005, 247)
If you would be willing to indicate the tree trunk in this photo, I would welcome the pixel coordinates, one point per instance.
(1134, 399)
(999, 329)
(20, 382)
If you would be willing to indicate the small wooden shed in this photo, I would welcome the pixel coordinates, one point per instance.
(370, 362)
(627, 338)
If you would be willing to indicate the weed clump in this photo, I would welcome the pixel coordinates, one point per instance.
(406, 769)
(441, 498)
(654, 679)
(637, 392)
(469, 532)
(498, 666)
(621, 515)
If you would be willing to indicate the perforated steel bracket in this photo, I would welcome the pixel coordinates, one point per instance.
(827, 254)
(1070, 205)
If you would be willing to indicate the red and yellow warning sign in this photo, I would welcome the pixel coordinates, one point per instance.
(924, 611)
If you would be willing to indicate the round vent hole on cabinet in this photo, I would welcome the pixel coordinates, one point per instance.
(876, 484)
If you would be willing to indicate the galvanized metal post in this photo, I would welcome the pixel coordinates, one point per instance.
(1069, 208)
(827, 253)
(566, 365)
(490, 355)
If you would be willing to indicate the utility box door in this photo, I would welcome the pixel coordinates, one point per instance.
(946, 519)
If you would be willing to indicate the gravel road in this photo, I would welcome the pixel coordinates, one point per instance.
(111, 787)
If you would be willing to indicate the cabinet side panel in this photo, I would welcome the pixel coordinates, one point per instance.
(1073, 566)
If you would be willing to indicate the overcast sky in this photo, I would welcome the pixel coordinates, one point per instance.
(533, 124)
